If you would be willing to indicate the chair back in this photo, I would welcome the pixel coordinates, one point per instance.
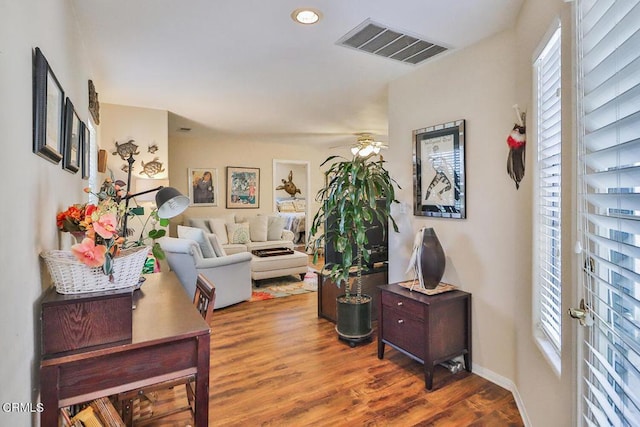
(205, 297)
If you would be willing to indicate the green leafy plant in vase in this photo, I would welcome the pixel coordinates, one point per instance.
(349, 205)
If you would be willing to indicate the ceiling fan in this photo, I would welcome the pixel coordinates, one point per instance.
(366, 145)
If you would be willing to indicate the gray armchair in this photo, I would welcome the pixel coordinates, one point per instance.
(230, 274)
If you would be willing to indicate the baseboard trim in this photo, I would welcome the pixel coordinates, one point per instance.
(507, 384)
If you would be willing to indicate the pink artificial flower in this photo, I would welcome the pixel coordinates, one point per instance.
(106, 226)
(88, 253)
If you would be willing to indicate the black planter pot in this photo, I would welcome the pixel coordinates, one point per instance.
(354, 319)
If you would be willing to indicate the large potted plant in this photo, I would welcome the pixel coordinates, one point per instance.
(349, 205)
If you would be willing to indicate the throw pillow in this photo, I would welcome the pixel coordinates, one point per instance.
(258, 226)
(286, 206)
(219, 228)
(238, 233)
(215, 243)
(197, 234)
(275, 225)
(199, 223)
(300, 205)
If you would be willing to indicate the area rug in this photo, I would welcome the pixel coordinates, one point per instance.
(286, 286)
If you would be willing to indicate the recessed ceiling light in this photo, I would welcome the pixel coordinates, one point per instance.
(306, 15)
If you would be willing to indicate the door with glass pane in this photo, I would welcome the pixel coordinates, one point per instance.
(608, 41)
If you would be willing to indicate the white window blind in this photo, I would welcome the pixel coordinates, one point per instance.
(548, 115)
(608, 37)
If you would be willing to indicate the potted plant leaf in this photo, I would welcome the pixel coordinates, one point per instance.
(349, 205)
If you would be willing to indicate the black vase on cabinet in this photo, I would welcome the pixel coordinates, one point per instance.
(432, 259)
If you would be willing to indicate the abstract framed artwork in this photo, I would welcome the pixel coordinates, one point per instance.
(243, 187)
(72, 138)
(203, 186)
(48, 111)
(439, 171)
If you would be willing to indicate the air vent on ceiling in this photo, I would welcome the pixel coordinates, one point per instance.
(375, 38)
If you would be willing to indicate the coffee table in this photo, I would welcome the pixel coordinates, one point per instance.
(279, 265)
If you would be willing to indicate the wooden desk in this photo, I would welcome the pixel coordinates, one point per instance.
(170, 340)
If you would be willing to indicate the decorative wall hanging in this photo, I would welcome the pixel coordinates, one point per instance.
(203, 187)
(126, 150)
(152, 148)
(72, 139)
(102, 161)
(289, 186)
(152, 168)
(517, 141)
(243, 187)
(439, 171)
(94, 105)
(48, 111)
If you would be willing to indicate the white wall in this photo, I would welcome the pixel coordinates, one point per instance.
(488, 254)
(488, 251)
(33, 189)
(146, 126)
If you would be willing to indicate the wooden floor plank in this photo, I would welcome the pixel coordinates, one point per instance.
(275, 363)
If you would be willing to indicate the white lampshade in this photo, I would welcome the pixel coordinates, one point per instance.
(144, 184)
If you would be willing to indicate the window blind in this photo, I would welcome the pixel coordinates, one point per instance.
(608, 38)
(548, 285)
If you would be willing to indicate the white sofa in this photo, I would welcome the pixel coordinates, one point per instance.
(231, 274)
(238, 233)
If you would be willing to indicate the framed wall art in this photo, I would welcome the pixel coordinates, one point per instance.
(439, 171)
(203, 186)
(72, 139)
(48, 111)
(243, 187)
(86, 150)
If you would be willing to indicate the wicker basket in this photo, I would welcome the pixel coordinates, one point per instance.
(70, 276)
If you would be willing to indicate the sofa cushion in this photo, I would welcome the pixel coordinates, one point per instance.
(238, 233)
(275, 225)
(198, 235)
(258, 226)
(219, 228)
(199, 223)
(237, 248)
(215, 244)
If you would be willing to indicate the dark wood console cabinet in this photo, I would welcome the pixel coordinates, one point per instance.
(429, 329)
(328, 292)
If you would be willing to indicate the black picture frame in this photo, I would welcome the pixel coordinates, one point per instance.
(72, 139)
(439, 178)
(86, 150)
(48, 110)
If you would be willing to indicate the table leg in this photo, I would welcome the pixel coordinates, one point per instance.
(428, 375)
(380, 349)
(201, 416)
(49, 396)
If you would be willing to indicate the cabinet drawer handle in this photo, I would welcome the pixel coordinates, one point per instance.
(399, 303)
(400, 322)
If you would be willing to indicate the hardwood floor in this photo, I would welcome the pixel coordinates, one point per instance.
(275, 363)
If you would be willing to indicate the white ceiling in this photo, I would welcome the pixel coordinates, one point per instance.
(244, 67)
